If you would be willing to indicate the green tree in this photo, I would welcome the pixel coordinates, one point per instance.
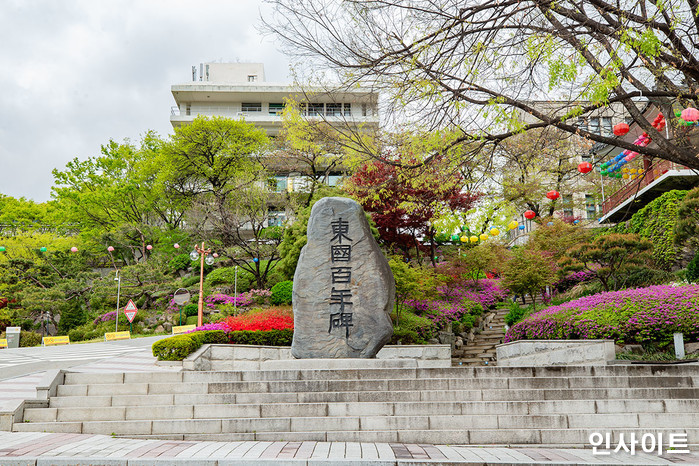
(611, 257)
(478, 259)
(492, 68)
(528, 272)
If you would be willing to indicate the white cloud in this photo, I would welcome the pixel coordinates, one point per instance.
(77, 73)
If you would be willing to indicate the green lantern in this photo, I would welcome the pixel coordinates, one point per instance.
(43, 249)
(2, 248)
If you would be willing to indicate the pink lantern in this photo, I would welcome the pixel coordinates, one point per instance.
(215, 254)
(73, 249)
(690, 114)
(149, 247)
(110, 248)
(177, 246)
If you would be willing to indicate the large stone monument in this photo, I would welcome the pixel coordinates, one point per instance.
(343, 287)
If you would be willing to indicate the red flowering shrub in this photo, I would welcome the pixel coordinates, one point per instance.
(268, 319)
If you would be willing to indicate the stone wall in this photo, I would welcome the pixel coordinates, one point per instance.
(250, 357)
(555, 352)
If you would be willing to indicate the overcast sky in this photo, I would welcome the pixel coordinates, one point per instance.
(78, 73)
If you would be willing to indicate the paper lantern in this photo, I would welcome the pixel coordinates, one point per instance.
(215, 254)
(625, 170)
(494, 231)
(455, 238)
(575, 222)
(690, 114)
(621, 129)
(553, 195)
(464, 239)
(521, 227)
(484, 236)
(625, 176)
(474, 239)
(149, 247)
(2, 248)
(550, 224)
(513, 224)
(529, 214)
(640, 170)
(255, 259)
(177, 246)
(586, 167)
(110, 248)
(633, 177)
(73, 249)
(43, 249)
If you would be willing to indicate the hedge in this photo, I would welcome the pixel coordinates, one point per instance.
(180, 346)
(282, 292)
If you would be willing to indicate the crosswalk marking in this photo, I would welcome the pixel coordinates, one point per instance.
(65, 353)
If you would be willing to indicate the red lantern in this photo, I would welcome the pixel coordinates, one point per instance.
(690, 114)
(530, 214)
(553, 195)
(585, 167)
(621, 129)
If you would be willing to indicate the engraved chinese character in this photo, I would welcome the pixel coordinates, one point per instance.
(340, 229)
(340, 253)
(341, 297)
(341, 274)
(340, 320)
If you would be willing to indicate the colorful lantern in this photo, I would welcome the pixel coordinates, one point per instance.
(43, 249)
(575, 222)
(521, 227)
(110, 248)
(484, 236)
(621, 129)
(553, 195)
(149, 247)
(513, 224)
(73, 249)
(474, 239)
(586, 167)
(464, 239)
(625, 176)
(177, 246)
(690, 114)
(455, 238)
(2, 248)
(529, 214)
(494, 231)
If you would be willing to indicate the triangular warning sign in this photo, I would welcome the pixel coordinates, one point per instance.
(130, 311)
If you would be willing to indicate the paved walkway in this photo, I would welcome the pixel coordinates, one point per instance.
(82, 449)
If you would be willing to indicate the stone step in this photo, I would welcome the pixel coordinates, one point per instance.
(632, 370)
(283, 386)
(645, 421)
(149, 409)
(384, 396)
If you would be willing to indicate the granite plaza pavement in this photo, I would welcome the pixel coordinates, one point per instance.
(22, 368)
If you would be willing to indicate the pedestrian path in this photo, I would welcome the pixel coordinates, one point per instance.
(83, 449)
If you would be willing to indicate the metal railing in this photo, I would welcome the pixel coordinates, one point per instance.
(654, 172)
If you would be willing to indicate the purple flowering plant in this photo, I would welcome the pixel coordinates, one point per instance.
(640, 315)
(106, 317)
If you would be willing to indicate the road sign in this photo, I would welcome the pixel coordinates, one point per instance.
(130, 311)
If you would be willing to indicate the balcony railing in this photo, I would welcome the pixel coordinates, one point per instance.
(655, 171)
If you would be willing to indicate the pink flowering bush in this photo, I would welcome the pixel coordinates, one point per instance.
(107, 316)
(641, 315)
(243, 299)
(455, 303)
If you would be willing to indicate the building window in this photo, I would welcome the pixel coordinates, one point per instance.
(188, 110)
(567, 205)
(333, 180)
(252, 106)
(594, 125)
(347, 109)
(333, 109)
(607, 126)
(316, 109)
(582, 124)
(278, 183)
(252, 78)
(590, 208)
(276, 109)
(275, 218)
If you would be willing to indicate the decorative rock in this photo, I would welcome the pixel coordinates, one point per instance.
(343, 287)
(167, 326)
(160, 329)
(458, 343)
(691, 348)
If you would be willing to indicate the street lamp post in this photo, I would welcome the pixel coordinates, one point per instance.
(205, 255)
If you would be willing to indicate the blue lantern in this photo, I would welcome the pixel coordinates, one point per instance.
(521, 227)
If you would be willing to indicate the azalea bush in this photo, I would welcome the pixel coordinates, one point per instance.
(267, 319)
(569, 281)
(641, 315)
(243, 299)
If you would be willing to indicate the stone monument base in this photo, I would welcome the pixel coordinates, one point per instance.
(273, 358)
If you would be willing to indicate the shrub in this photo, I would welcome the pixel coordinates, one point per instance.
(29, 339)
(642, 315)
(422, 326)
(515, 314)
(192, 320)
(180, 262)
(265, 338)
(692, 274)
(281, 292)
(406, 337)
(269, 319)
(226, 276)
(174, 348)
(190, 310)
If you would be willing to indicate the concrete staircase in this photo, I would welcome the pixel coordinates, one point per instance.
(481, 350)
(558, 406)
